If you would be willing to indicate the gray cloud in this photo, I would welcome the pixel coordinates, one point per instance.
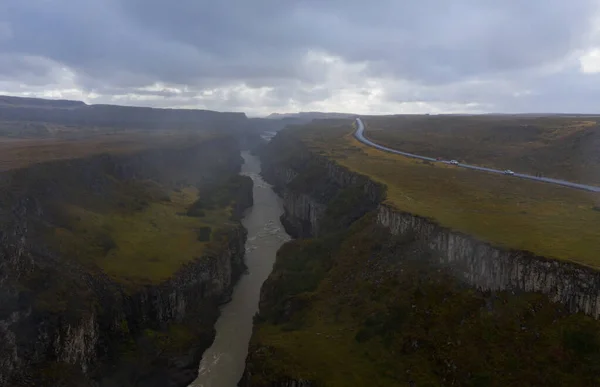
(264, 54)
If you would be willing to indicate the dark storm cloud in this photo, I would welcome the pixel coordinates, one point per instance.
(15, 66)
(126, 45)
(180, 42)
(429, 40)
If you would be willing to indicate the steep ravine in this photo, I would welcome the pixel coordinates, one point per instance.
(223, 363)
(480, 264)
(320, 200)
(67, 322)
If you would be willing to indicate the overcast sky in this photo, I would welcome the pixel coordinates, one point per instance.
(263, 56)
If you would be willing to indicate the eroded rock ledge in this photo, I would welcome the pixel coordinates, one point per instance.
(309, 183)
(479, 263)
(82, 332)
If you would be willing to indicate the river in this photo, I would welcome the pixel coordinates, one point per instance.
(223, 363)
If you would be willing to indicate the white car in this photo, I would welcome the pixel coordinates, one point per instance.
(453, 162)
(509, 172)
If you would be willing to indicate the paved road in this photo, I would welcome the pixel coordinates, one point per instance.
(360, 136)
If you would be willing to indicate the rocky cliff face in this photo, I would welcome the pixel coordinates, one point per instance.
(479, 264)
(192, 296)
(490, 268)
(307, 183)
(78, 327)
(313, 190)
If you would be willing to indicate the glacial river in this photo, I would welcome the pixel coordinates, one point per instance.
(223, 364)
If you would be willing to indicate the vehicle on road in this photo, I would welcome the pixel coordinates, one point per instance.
(438, 159)
(359, 134)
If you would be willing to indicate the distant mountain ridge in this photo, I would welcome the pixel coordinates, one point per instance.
(310, 115)
(78, 113)
(34, 111)
(6, 100)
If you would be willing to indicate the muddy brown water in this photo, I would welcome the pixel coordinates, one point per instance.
(223, 363)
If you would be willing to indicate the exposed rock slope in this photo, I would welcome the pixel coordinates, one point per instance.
(64, 319)
(480, 264)
(371, 295)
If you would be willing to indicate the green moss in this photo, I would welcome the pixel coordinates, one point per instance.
(346, 207)
(382, 315)
(204, 234)
(58, 374)
(177, 338)
(221, 194)
(50, 291)
(378, 313)
(300, 267)
(124, 327)
(142, 239)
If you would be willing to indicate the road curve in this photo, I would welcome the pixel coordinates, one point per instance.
(359, 134)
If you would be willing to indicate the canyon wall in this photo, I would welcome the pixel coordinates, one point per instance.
(311, 184)
(64, 320)
(480, 264)
(308, 183)
(491, 268)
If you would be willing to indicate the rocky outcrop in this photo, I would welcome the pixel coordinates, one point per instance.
(193, 295)
(245, 198)
(490, 268)
(308, 183)
(480, 264)
(87, 316)
(301, 214)
(312, 188)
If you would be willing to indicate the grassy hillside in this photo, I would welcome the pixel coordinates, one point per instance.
(98, 234)
(548, 220)
(358, 309)
(565, 147)
(126, 212)
(143, 232)
(144, 245)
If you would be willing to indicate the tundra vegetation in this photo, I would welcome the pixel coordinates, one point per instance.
(113, 203)
(136, 232)
(562, 147)
(357, 306)
(548, 220)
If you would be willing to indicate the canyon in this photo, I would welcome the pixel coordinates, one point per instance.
(327, 204)
(73, 315)
(120, 268)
